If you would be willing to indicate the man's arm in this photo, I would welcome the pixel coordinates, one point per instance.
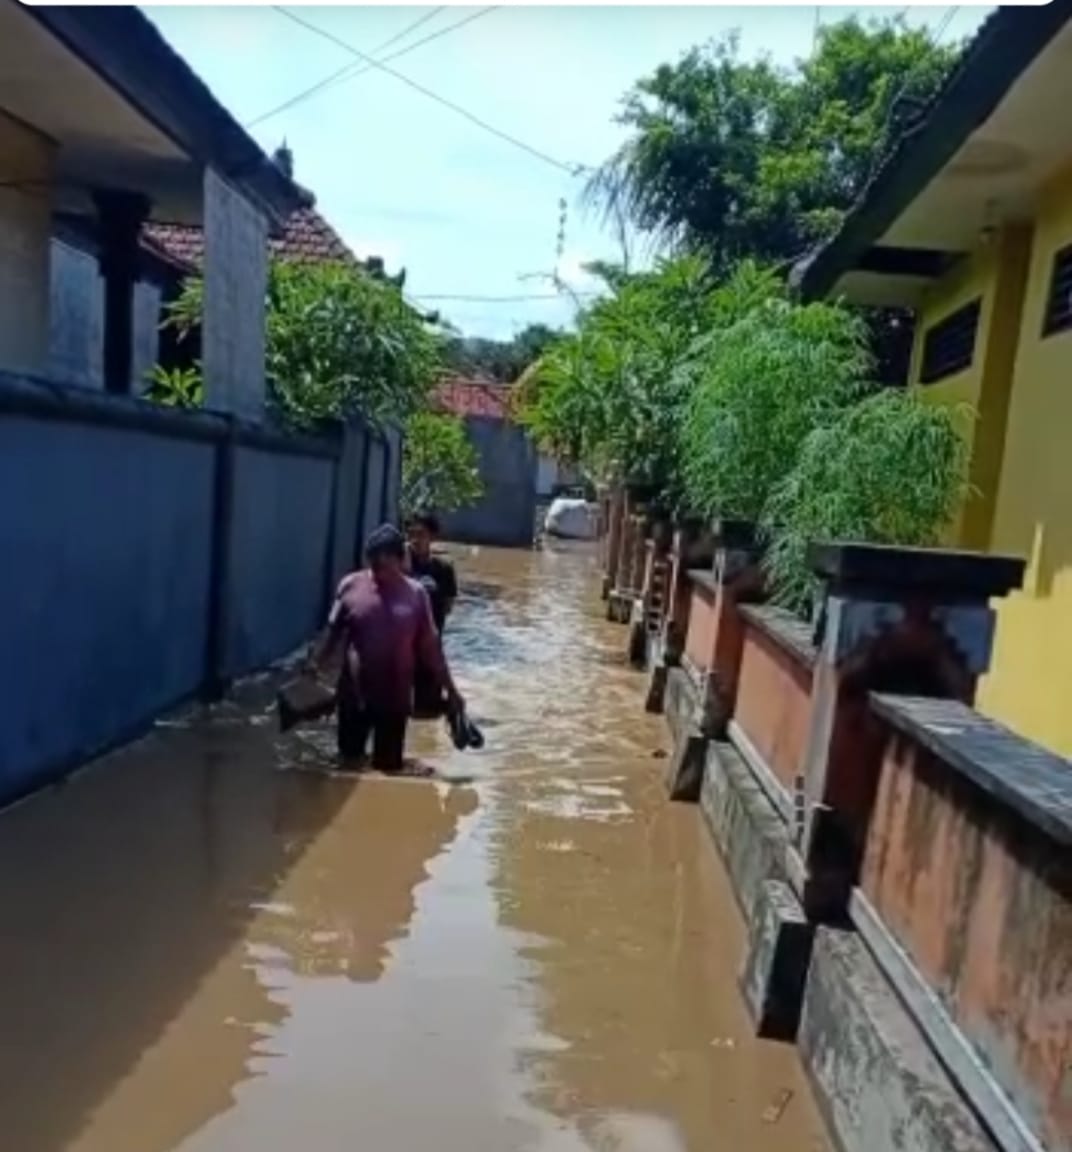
(326, 652)
(448, 587)
(430, 649)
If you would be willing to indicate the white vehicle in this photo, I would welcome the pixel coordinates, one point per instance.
(570, 518)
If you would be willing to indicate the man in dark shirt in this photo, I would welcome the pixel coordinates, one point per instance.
(433, 572)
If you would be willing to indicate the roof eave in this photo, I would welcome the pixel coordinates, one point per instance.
(1006, 45)
(126, 50)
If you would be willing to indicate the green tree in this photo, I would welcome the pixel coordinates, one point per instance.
(744, 159)
(339, 341)
(606, 396)
(756, 387)
(502, 360)
(889, 470)
(439, 464)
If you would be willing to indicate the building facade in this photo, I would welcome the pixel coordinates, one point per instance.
(969, 223)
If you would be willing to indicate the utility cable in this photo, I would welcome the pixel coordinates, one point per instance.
(355, 69)
(523, 299)
(572, 169)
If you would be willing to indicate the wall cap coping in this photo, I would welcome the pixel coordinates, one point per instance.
(789, 632)
(1035, 783)
(944, 575)
(38, 399)
(705, 579)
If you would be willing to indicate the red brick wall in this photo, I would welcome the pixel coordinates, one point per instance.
(981, 904)
(703, 625)
(774, 703)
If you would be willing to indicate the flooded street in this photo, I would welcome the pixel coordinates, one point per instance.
(211, 946)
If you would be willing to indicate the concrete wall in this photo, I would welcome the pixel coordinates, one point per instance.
(506, 513)
(26, 160)
(373, 511)
(393, 479)
(282, 527)
(236, 279)
(936, 1015)
(1028, 685)
(76, 321)
(152, 554)
(967, 869)
(773, 707)
(1016, 387)
(106, 587)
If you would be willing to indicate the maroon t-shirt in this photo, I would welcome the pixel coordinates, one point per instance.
(389, 628)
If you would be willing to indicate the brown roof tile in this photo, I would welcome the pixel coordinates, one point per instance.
(307, 238)
(462, 396)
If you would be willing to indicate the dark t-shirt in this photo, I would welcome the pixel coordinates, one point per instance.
(437, 577)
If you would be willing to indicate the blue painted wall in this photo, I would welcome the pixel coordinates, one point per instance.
(105, 586)
(506, 513)
(279, 559)
(113, 527)
(375, 494)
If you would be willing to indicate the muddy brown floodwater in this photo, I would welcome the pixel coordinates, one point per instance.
(211, 945)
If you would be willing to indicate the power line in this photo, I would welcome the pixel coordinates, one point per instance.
(572, 169)
(353, 70)
(347, 71)
(523, 299)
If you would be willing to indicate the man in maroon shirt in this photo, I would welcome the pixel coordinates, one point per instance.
(381, 623)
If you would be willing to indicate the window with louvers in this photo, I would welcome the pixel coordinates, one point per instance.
(948, 347)
(1058, 314)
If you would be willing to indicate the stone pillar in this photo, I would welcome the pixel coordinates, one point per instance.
(698, 697)
(913, 622)
(120, 217)
(739, 581)
(638, 553)
(26, 167)
(236, 279)
(692, 547)
(615, 523)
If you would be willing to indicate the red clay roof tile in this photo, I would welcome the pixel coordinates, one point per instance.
(462, 396)
(307, 237)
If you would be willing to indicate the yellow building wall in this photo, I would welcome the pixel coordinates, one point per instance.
(997, 275)
(1030, 682)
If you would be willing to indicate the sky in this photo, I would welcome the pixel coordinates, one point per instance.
(467, 213)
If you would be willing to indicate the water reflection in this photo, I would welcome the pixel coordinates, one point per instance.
(144, 904)
(214, 945)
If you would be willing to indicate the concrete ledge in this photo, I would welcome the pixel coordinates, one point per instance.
(660, 661)
(656, 693)
(619, 607)
(877, 1082)
(776, 968)
(794, 636)
(685, 768)
(777, 793)
(1012, 771)
(750, 835)
(637, 651)
(680, 703)
(947, 1041)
